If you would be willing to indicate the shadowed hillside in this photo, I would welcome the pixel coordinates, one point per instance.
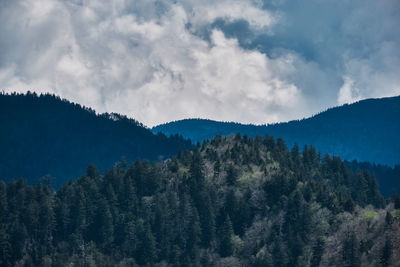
(365, 131)
(45, 135)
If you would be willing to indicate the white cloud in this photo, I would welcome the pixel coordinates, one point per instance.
(348, 93)
(231, 10)
(376, 75)
(146, 59)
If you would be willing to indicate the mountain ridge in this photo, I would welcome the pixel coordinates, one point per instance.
(365, 130)
(46, 135)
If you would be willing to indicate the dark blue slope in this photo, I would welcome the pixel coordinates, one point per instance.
(368, 130)
(45, 135)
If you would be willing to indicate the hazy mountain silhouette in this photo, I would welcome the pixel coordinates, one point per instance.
(365, 131)
(46, 135)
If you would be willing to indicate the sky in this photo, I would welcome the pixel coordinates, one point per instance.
(249, 61)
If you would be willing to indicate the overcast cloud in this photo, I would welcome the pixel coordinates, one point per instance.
(246, 61)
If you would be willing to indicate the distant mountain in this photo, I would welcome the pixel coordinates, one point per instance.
(46, 135)
(365, 131)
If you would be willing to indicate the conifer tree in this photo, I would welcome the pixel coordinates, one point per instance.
(226, 244)
(318, 250)
(386, 253)
(3, 201)
(396, 198)
(389, 218)
(145, 250)
(5, 249)
(280, 257)
(193, 238)
(231, 175)
(351, 251)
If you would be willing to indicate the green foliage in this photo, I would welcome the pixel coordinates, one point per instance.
(275, 207)
(351, 251)
(231, 175)
(225, 243)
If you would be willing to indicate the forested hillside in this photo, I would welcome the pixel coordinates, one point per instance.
(233, 201)
(45, 135)
(365, 131)
(388, 177)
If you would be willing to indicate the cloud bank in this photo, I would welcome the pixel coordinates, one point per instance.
(246, 61)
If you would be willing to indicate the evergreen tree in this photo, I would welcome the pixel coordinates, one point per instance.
(263, 259)
(280, 257)
(226, 244)
(3, 201)
(205, 259)
(207, 221)
(318, 250)
(5, 249)
(396, 201)
(386, 253)
(145, 250)
(389, 218)
(349, 205)
(91, 171)
(193, 238)
(151, 214)
(295, 156)
(231, 175)
(196, 179)
(351, 251)
(18, 240)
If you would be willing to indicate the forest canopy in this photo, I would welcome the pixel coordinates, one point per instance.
(232, 201)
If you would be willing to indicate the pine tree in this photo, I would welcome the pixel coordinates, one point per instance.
(243, 216)
(193, 237)
(161, 227)
(196, 179)
(197, 167)
(389, 218)
(217, 168)
(231, 175)
(295, 156)
(205, 259)
(18, 240)
(263, 258)
(5, 249)
(386, 253)
(280, 257)
(360, 192)
(318, 250)
(129, 239)
(3, 201)
(226, 244)
(91, 171)
(230, 206)
(145, 250)
(207, 221)
(349, 205)
(397, 202)
(106, 224)
(351, 251)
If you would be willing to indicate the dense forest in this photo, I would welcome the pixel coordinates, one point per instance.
(365, 131)
(232, 201)
(45, 135)
(388, 177)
